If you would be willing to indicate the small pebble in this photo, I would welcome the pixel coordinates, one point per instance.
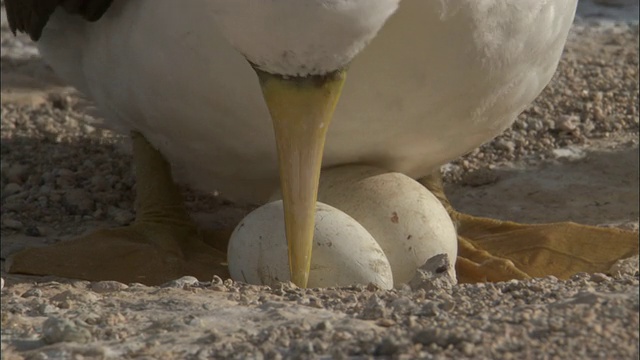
(56, 330)
(122, 217)
(78, 199)
(181, 282)
(506, 145)
(567, 123)
(599, 277)
(103, 287)
(467, 348)
(385, 322)
(387, 347)
(34, 292)
(11, 188)
(324, 326)
(623, 267)
(12, 224)
(216, 280)
(436, 273)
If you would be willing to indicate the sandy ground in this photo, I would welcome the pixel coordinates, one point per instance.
(575, 151)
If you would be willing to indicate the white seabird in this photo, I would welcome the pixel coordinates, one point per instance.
(439, 79)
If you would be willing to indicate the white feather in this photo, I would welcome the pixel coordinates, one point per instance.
(440, 78)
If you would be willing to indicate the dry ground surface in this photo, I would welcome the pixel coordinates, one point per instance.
(572, 155)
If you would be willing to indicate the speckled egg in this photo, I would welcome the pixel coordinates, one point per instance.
(343, 254)
(405, 218)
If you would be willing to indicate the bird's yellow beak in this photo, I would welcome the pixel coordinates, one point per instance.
(301, 110)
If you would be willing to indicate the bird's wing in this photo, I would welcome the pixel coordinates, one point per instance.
(31, 16)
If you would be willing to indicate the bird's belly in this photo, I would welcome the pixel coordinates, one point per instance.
(414, 99)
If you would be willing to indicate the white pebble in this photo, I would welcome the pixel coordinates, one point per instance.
(181, 282)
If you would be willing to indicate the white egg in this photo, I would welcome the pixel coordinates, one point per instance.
(344, 253)
(405, 218)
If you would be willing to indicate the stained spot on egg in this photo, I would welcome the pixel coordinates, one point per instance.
(394, 217)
